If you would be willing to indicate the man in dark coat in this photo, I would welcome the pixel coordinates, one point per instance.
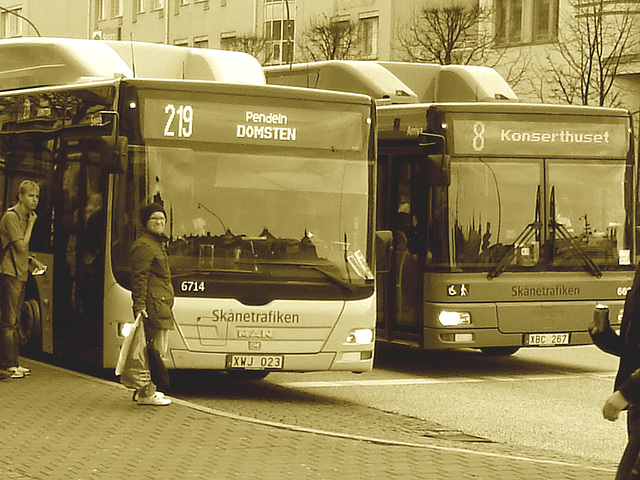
(626, 394)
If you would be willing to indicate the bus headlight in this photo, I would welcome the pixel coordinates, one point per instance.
(361, 336)
(451, 319)
(124, 329)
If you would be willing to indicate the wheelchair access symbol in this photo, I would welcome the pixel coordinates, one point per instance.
(458, 290)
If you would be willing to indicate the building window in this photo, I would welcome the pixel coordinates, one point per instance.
(508, 21)
(116, 7)
(183, 2)
(369, 37)
(139, 6)
(12, 23)
(279, 31)
(228, 40)
(182, 42)
(157, 4)
(545, 16)
(201, 42)
(526, 21)
(101, 10)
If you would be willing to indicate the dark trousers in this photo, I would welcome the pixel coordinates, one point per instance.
(632, 450)
(11, 298)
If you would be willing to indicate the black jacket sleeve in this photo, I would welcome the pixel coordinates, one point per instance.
(609, 341)
(631, 388)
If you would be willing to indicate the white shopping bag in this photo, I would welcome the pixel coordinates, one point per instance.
(124, 351)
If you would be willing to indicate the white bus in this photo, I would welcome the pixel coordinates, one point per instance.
(269, 193)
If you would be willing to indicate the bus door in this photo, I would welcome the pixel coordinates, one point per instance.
(402, 209)
(79, 244)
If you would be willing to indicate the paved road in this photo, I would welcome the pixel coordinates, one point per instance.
(59, 424)
(547, 399)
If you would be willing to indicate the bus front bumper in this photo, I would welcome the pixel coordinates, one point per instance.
(438, 339)
(360, 361)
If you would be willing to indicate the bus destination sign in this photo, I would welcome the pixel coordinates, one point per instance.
(198, 121)
(604, 138)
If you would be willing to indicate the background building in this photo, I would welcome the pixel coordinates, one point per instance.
(545, 49)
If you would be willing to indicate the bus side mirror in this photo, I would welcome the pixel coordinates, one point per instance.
(439, 170)
(438, 162)
(384, 250)
(114, 153)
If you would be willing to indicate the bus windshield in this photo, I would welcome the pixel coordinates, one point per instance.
(252, 213)
(252, 220)
(265, 199)
(547, 214)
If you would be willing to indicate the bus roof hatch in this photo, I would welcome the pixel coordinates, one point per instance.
(351, 76)
(36, 62)
(434, 83)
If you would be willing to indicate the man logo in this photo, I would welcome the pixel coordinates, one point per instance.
(254, 333)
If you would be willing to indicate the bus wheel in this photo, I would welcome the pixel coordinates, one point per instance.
(30, 323)
(247, 374)
(499, 351)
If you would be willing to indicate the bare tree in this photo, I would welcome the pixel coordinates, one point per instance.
(458, 33)
(251, 44)
(329, 39)
(447, 35)
(590, 51)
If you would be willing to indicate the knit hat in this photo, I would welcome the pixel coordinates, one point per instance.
(149, 210)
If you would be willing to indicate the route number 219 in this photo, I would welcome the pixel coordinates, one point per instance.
(183, 122)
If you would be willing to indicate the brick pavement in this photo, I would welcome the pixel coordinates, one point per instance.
(59, 424)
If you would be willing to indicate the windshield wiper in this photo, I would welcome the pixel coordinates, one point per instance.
(595, 270)
(190, 272)
(527, 233)
(334, 278)
(536, 227)
(509, 255)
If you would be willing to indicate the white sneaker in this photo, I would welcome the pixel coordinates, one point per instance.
(136, 395)
(15, 372)
(157, 399)
(25, 371)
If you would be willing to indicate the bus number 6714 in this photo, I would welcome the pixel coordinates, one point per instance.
(191, 286)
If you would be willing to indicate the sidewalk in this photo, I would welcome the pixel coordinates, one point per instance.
(59, 424)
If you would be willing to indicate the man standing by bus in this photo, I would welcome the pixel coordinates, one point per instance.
(16, 226)
(626, 345)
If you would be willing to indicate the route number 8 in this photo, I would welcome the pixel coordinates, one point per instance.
(478, 139)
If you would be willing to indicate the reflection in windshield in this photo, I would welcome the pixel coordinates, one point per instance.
(556, 215)
(233, 212)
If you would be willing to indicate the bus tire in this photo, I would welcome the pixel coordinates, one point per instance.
(499, 351)
(29, 326)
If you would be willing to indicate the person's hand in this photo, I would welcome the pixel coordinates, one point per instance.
(613, 406)
(36, 267)
(33, 216)
(593, 328)
(39, 265)
(142, 312)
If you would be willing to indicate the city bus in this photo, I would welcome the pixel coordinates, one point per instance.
(510, 222)
(269, 193)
